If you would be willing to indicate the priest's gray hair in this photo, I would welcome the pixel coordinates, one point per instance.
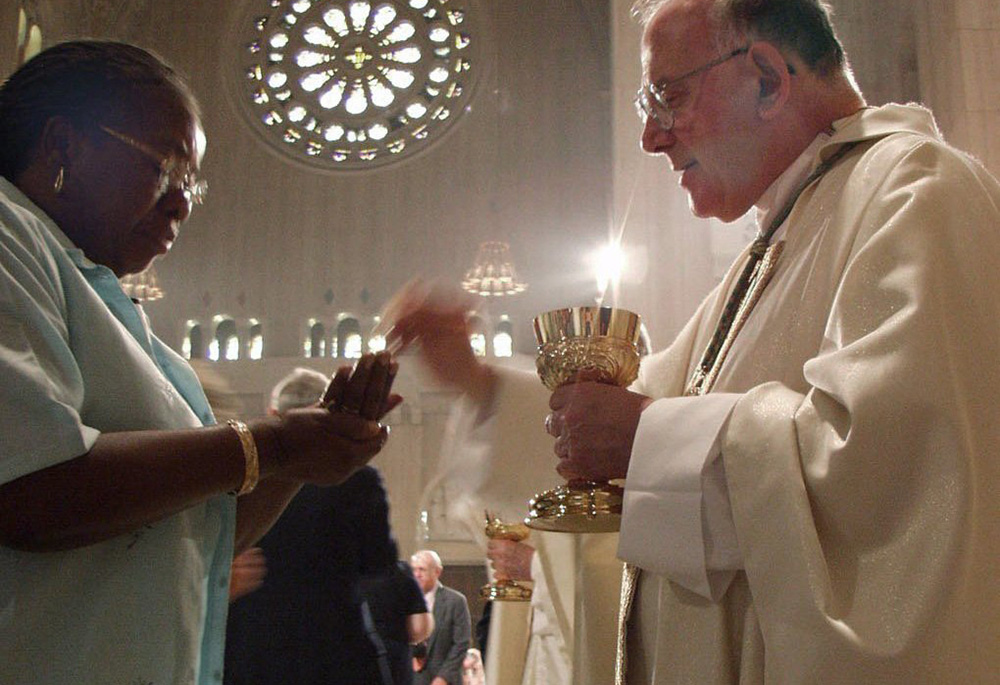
(802, 27)
(301, 388)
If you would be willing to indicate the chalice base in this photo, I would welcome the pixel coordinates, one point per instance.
(583, 507)
(505, 591)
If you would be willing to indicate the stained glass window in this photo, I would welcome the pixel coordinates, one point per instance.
(193, 346)
(477, 336)
(353, 84)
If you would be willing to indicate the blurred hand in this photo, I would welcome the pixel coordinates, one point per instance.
(247, 572)
(594, 425)
(436, 317)
(510, 560)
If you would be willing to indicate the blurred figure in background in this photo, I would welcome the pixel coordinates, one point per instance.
(248, 571)
(568, 636)
(305, 624)
(400, 617)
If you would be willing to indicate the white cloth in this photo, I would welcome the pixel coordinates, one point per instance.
(127, 610)
(860, 456)
(685, 492)
(500, 464)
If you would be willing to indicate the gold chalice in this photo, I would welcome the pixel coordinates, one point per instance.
(602, 343)
(505, 590)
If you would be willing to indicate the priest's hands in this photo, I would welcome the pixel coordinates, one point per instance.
(594, 425)
(510, 560)
(435, 317)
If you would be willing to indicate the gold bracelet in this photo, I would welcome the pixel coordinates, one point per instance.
(252, 473)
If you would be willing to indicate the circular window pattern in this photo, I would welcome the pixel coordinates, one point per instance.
(354, 84)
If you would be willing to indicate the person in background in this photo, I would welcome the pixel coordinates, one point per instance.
(399, 615)
(481, 631)
(448, 643)
(120, 503)
(419, 654)
(305, 624)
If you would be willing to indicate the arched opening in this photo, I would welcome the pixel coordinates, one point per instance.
(315, 344)
(503, 338)
(226, 343)
(255, 346)
(193, 345)
(477, 336)
(349, 343)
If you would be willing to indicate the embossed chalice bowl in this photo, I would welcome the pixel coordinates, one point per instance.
(601, 344)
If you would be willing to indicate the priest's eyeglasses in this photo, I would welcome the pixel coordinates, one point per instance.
(651, 100)
(173, 174)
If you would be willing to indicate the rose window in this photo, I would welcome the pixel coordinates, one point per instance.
(355, 84)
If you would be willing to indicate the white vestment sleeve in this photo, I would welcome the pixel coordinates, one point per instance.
(677, 520)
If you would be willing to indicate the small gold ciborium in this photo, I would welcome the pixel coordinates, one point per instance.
(505, 590)
(601, 343)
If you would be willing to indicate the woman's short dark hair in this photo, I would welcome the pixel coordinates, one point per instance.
(799, 26)
(87, 81)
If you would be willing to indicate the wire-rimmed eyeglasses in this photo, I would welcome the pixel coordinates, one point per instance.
(173, 174)
(651, 100)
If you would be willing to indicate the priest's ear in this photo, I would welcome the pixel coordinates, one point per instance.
(774, 77)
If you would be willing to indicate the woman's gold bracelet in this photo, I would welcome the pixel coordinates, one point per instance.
(252, 473)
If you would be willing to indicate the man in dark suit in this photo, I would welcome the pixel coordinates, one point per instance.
(452, 624)
(305, 625)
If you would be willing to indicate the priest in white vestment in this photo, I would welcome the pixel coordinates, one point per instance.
(812, 466)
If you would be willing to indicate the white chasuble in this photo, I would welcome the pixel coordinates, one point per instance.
(863, 456)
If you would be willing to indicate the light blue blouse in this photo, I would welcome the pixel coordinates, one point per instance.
(78, 358)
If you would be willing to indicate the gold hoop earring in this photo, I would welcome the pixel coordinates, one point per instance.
(58, 185)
